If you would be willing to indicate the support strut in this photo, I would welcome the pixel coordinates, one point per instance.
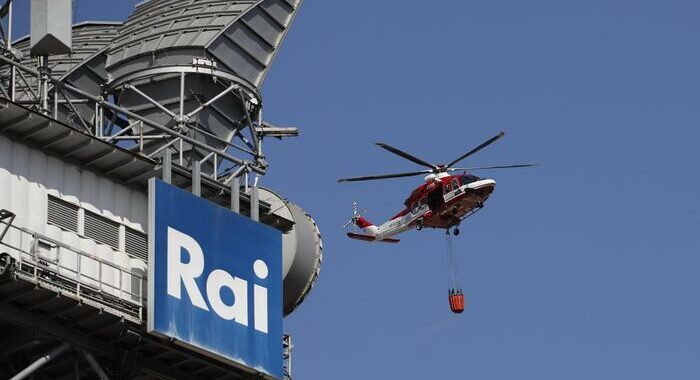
(95, 366)
(41, 361)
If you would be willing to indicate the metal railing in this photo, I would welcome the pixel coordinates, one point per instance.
(76, 273)
(36, 92)
(287, 356)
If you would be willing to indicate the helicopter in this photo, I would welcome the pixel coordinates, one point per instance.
(443, 201)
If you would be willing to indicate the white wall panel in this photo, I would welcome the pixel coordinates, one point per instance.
(28, 175)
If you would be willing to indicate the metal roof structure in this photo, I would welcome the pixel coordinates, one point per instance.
(74, 145)
(83, 67)
(89, 37)
(241, 36)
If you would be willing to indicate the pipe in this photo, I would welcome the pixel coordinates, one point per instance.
(255, 202)
(167, 166)
(149, 99)
(95, 366)
(197, 178)
(212, 100)
(41, 361)
(236, 195)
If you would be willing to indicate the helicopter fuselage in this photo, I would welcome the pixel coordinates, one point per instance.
(443, 201)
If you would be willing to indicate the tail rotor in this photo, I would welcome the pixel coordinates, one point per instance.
(355, 216)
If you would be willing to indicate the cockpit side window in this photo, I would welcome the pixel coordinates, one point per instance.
(455, 184)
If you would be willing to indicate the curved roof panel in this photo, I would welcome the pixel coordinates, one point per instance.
(242, 36)
(88, 38)
(83, 68)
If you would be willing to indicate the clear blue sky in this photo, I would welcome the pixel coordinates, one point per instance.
(584, 268)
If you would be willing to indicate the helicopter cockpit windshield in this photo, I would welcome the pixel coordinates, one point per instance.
(468, 178)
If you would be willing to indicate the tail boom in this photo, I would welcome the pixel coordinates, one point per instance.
(367, 227)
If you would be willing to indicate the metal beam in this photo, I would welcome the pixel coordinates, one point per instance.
(211, 101)
(59, 139)
(12, 123)
(18, 340)
(75, 112)
(23, 289)
(41, 127)
(73, 150)
(89, 314)
(253, 134)
(21, 317)
(121, 164)
(161, 370)
(95, 366)
(198, 358)
(37, 303)
(99, 156)
(149, 99)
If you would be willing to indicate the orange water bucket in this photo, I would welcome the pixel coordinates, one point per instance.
(456, 302)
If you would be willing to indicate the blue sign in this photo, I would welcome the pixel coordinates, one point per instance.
(215, 279)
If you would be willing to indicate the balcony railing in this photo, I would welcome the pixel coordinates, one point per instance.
(69, 271)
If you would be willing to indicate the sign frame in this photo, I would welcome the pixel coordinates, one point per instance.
(258, 348)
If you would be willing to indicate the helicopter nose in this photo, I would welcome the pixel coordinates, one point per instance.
(482, 184)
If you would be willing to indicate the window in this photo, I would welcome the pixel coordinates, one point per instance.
(468, 179)
(62, 214)
(455, 184)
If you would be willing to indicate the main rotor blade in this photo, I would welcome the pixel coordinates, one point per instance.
(495, 167)
(384, 176)
(407, 156)
(478, 148)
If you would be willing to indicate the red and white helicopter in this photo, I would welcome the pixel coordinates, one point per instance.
(443, 201)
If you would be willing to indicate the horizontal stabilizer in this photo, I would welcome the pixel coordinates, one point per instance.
(370, 238)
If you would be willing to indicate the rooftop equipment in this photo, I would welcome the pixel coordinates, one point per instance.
(51, 22)
(196, 67)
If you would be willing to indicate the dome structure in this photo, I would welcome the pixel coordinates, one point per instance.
(302, 250)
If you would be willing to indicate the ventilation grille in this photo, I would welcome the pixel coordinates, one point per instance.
(62, 214)
(101, 229)
(136, 244)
